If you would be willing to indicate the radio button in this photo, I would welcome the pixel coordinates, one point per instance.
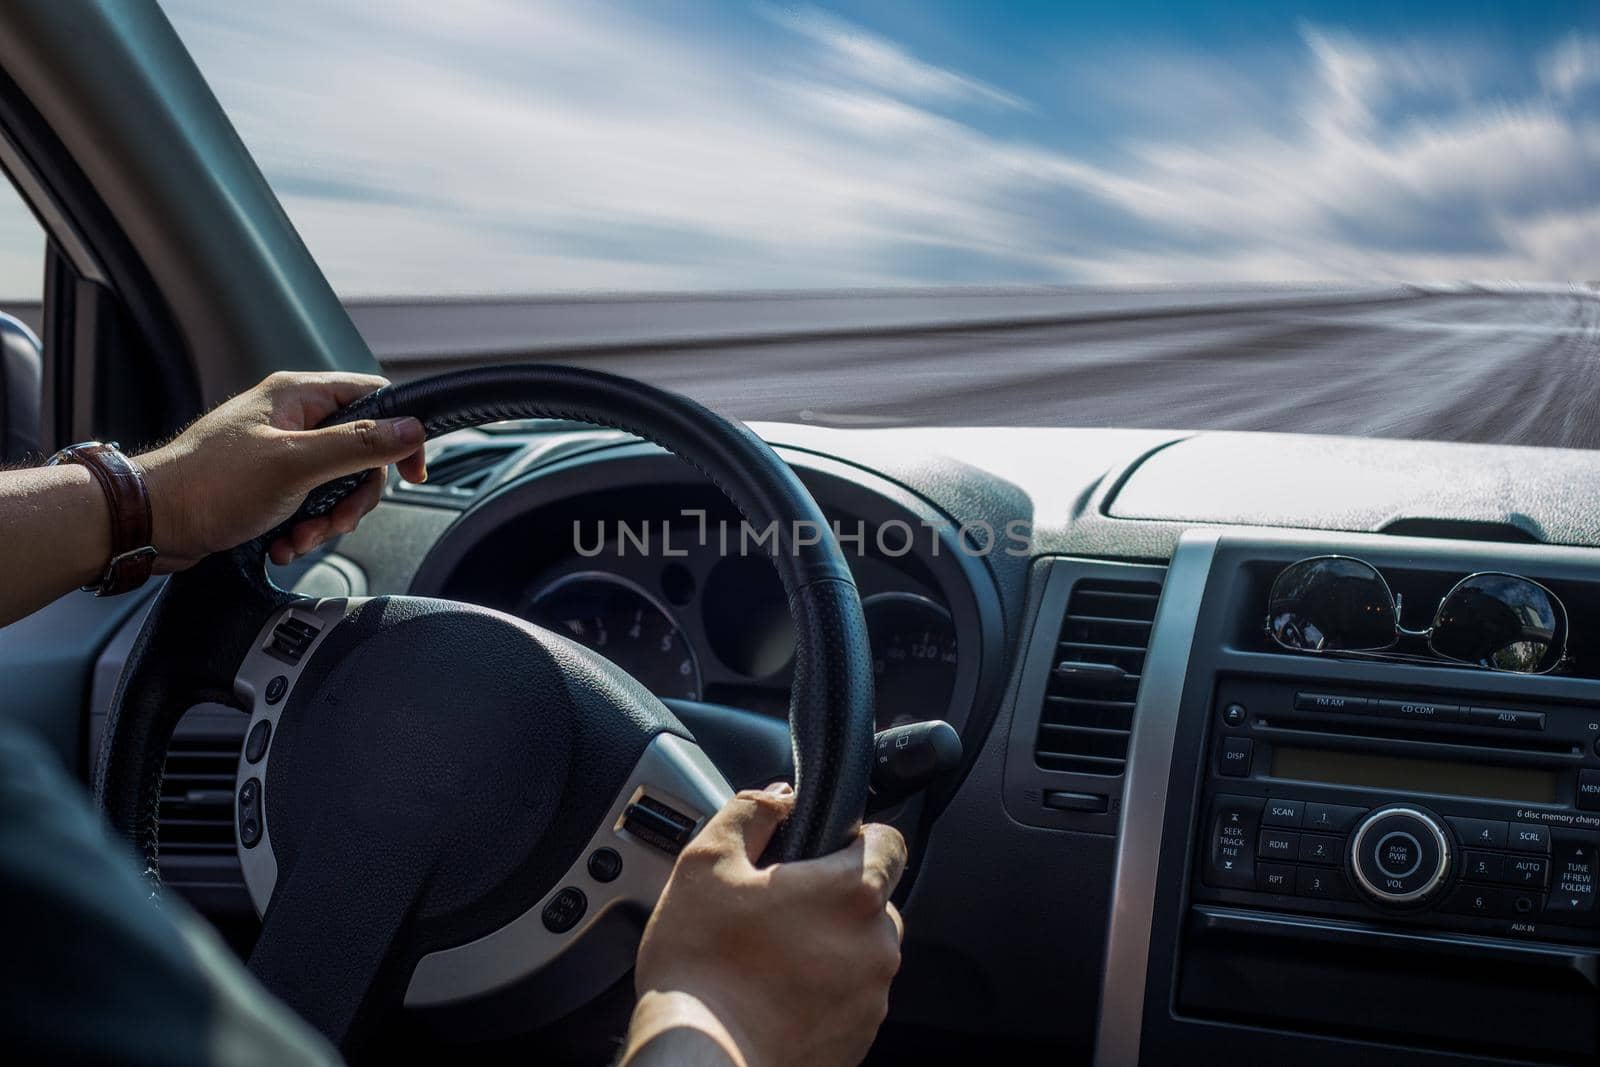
(1529, 837)
(1589, 790)
(1278, 845)
(1419, 710)
(1526, 871)
(1275, 878)
(1573, 887)
(1320, 848)
(1233, 760)
(1334, 818)
(1482, 866)
(1322, 884)
(1344, 705)
(1503, 717)
(1480, 833)
(1400, 856)
(1283, 813)
(1475, 900)
(1231, 854)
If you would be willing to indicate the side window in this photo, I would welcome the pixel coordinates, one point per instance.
(21, 257)
(22, 253)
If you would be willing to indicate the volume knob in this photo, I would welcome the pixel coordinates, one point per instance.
(1399, 856)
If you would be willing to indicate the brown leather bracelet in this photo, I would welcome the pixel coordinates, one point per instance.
(132, 554)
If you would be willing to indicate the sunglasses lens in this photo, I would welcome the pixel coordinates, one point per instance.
(1331, 604)
(1501, 621)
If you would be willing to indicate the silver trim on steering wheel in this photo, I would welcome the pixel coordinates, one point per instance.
(673, 770)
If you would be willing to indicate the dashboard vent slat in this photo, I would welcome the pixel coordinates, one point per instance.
(1088, 712)
(458, 473)
(197, 796)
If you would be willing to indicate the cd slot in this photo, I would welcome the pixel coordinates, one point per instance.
(1372, 735)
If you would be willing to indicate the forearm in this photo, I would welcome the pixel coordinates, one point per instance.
(55, 535)
(677, 1030)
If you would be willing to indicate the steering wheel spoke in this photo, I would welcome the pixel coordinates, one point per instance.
(623, 868)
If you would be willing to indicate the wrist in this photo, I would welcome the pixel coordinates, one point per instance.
(662, 1013)
(166, 509)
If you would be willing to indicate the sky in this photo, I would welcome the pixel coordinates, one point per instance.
(509, 147)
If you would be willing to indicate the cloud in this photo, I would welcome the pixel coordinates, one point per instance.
(884, 65)
(1571, 66)
(494, 146)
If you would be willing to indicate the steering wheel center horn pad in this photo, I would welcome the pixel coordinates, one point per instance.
(440, 805)
(472, 758)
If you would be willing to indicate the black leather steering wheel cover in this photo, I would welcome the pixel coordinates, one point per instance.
(831, 703)
(831, 706)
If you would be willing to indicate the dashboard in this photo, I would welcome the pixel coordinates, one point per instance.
(1169, 839)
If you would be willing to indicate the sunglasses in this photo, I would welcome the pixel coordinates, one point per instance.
(1335, 604)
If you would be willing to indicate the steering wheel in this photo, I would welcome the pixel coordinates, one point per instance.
(447, 806)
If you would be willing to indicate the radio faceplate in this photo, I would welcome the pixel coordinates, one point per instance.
(1417, 809)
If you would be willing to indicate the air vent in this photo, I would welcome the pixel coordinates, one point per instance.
(460, 472)
(197, 795)
(1088, 703)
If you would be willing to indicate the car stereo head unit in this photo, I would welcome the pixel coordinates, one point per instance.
(1418, 809)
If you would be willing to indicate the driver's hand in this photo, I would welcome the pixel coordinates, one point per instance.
(248, 464)
(787, 964)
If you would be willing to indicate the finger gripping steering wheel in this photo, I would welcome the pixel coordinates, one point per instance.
(439, 772)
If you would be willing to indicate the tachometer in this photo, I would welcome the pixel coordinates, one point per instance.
(624, 624)
(913, 657)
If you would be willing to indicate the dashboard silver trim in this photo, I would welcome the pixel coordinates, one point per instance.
(1144, 807)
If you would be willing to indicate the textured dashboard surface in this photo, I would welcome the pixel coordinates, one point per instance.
(1365, 485)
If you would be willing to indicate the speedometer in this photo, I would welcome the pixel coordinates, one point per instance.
(624, 624)
(913, 657)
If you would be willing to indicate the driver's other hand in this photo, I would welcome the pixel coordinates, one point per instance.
(247, 465)
(786, 964)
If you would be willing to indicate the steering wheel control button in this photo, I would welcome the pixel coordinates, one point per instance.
(1331, 818)
(1230, 852)
(250, 813)
(1400, 856)
(564, 910)
(1528, 837)
(654, 823)
(1283, 813)
(290, 639)
(1481, 833)
(275, 689)
(1572, 888)
(255, 746)
(604, 865)
(1233, 760)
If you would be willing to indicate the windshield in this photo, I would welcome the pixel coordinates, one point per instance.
(1349, 218)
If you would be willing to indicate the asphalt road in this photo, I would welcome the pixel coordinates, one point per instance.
(1470, 366)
